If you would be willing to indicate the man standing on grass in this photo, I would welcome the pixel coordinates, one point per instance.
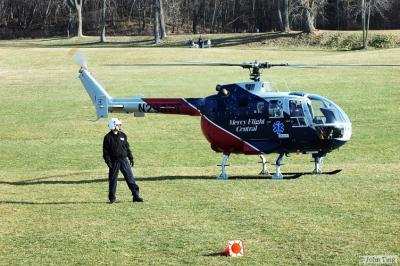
(118, 156)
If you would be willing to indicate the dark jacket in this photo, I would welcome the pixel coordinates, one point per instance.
(116, 147)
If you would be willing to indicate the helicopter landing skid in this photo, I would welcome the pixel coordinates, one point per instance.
(223, 175)
(264, 170)
(317, 168)
(296, 175)
(278, 173)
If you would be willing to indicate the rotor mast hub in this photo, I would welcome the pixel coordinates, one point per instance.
(255, 68)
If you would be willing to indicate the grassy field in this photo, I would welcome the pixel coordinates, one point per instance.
(53, 199)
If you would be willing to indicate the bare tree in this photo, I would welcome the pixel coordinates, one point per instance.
(77, 6)
(372, 6)
(195, 15)
(162, 20)
(44, 18)
(174, 12)
(103, 22)
(156, 25)
(307, 11)
(308, 19)
(283, 6)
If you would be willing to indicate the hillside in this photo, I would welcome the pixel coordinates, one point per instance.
(342, 40)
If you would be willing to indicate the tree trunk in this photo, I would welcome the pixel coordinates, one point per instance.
(130, 11)
(308, 21)
(162, 20)
(364, 28)
(69, 29)
(156, 22)
(279, 13)
(195, 16)
(79, 11)
(144, 25)
(213, 16)
(337, 15)
(367, 23)
(103, 23)
(285, 12)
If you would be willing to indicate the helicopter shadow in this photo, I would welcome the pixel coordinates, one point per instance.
(6, 202)
(41, 181)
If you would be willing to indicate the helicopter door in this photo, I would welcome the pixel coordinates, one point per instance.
(277, 128)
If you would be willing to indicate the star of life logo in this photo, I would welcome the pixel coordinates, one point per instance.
(278, 127)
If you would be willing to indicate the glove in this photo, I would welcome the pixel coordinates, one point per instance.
(131, 162)
(109, 164)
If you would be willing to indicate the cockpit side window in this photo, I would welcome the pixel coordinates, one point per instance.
(318, 116)
(324, 111)
(275, 109)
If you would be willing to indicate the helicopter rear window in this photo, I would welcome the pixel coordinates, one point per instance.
(249, 86)
(275, 109)
(296, 113)
(296, 110)
(261, 108)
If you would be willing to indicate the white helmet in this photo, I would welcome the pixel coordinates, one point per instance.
(114, 122)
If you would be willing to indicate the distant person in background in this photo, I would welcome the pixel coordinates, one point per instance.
(201, 42)
(118, 156)
(192, 44)
(209, 43)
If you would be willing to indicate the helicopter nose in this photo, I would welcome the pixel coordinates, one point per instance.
(347, 130)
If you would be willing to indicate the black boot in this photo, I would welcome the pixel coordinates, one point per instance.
(137, 199)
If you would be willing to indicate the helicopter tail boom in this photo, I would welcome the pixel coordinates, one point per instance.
(100, 98)
(105, 104)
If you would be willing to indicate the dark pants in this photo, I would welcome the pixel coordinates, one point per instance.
(128, 175)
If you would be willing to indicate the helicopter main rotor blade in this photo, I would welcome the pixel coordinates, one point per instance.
(171, 64)
(341, 65)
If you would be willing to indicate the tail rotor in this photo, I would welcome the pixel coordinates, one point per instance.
(78, 57)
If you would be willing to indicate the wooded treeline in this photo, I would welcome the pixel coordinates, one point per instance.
(46, 18)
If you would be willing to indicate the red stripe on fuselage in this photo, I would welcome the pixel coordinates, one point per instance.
(224, 141)
(171, 106)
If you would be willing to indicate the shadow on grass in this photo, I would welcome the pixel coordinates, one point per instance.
(40, 181)
(51, 203)
(148, 41)
(216, 254)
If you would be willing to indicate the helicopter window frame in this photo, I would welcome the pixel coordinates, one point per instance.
(275, 108)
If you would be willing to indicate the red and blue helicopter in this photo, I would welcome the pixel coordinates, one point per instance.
(246, 118)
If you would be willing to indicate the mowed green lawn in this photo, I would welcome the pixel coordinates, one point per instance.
(53, 199)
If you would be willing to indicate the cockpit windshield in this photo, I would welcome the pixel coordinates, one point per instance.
(324, 111)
